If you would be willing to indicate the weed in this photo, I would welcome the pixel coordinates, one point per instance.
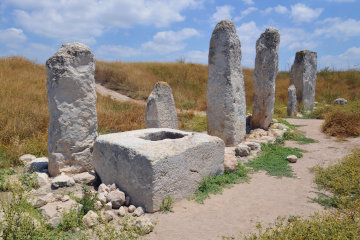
(215, 184)
(326, 200)
(87, 201)
(273, 160)
(29, 180)
(166, 204)
(4, 182)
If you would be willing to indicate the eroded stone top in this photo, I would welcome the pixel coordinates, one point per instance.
(225, 25)
(269, 39)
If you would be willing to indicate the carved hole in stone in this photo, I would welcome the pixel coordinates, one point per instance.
(158, 136)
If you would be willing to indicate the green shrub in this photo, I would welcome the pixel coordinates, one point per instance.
(29, 180)
(166, 204)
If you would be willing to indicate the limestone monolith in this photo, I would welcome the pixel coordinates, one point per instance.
(291, 104)
(266, 68)
(225, 96)
(303, 76)
(72, 106)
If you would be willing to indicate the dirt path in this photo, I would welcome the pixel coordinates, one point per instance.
(103, 91)
(263, 199)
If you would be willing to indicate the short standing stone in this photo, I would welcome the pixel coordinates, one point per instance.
(266, 68)
(160, 108)
(303, 76)
(291, 104)
(340, 101)
(72, 106)
(225, 94)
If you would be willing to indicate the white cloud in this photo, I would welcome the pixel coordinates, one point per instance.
(341, 1)
(278, 9)
(339, 29)
(302, 13)
(349, 59)
(245, 13)
(248, 2)
(162, 43)
(222, 12)
(196, 56)
(297, 39)
(87, 19)
(12, 37)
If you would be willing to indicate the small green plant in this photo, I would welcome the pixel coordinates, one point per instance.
(273, 160)
(214, 185)
(87, 201)
(29, 180)
(4, 182)
(166, 204)
(70, 220)
(294, 134)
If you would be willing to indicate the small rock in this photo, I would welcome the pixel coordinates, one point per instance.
(90, 219)
(131, 208)
(62, 181)
(258, 132)
(292, 158)
(109, 215)
(65, 198)
(299, 115)
(98, 205)
(242, 150)
(39, 202)
(55, 222)
(138, 212)
(43, 179)
(279, 126)
(268, 139)
(27, 158)
(38, 164)
(103, 188)
(112, 187)
(108, 206)
(276, 132)
(116, 197)
(145, 224)
(85, 178)
(102, 198)
(253, 145)
(230, 163)
(340, 101)
(122, 211)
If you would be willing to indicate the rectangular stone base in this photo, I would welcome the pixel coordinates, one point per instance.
(151, 164)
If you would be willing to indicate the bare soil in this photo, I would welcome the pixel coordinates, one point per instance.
(265, 198)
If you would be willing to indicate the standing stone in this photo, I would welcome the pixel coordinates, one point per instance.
(266, 68)
(160, 108)
(291, 105)
(225, 95)
(72, 105)
(303, 76)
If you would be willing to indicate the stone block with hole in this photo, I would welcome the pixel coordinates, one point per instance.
(150, 164)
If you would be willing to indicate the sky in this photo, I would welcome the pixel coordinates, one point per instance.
(173, 30)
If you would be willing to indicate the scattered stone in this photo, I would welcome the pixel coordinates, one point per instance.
(160, 108)
(85, 178)
(122, 211)
(242, 150)
(62, 181)
(279, 126)
(109, 215)
(266, 68)
(292, 158)
(65, 198)
(98, 205)
(112, 187)
(180, 162)
(103, 188)
(55, 222)
(55, 209)
(39, 202)
(108, 206)
(230, 163)
(225, 94)
(303, 76)
(138, 212)
(43, 179)
(27, 158)
(72, 106)
(102, 198)
(116, 197)
(291, 104)
(276, 132)
(340, 101)
(90, 219)
(131, 208)
(144, 224)
(38, 164)
(253, 145)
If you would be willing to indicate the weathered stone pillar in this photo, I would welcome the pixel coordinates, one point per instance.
(72, 106)
(225, 96)
(266, 68)
(160, 108)
(291, 104)
(303, 76)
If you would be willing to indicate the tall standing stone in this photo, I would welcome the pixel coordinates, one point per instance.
(303, 76)
(266, 68)
(225, 96)
(160, 108)
(291, 104)
(72, 105)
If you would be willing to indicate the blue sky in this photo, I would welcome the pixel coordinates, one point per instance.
(167, 30)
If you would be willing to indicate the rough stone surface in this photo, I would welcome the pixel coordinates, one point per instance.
(72, 106)
(292, 158)
(116, 197)
(151, 164)
(56, 209)
(230, 161)
(160, 108)
(131, 208)
(85, 178)
(62, 181)
(291, 104)
(27, 158)
(122, 211)
(108, 206)
(145, 224)
(253, 145)
(98, 205)
(340, 101)
(103, 188)
(38, 164)
(102, 197)
(242, 150)
(266, 68)
(225, 94)
(90, 219)
(43, 179)
(138, 212)
(303, 76)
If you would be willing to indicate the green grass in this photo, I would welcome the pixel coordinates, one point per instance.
(296, 135)
(191, 122)
(216, 184)
(273, 160)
